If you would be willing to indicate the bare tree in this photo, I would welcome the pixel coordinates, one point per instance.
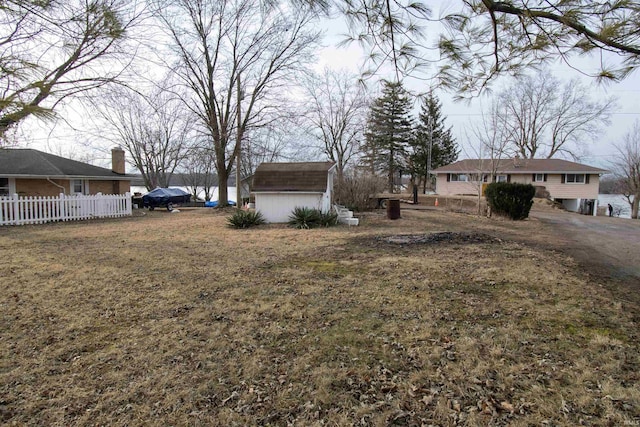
(199, 171)
(626, 167)
(153, 128)
(491, 146)
(53, 50)
(337, 113)
(234, 56)
(544, 118)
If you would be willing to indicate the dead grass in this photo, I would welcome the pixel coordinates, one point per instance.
(175, 319)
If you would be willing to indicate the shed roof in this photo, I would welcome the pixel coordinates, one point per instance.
(30, 163)
(515, 166)
(284, 177)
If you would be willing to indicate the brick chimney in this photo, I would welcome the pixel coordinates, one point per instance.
(117, 160)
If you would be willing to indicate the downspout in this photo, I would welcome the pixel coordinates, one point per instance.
(64, 191)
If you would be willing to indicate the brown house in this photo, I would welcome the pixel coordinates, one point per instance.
(29, 172)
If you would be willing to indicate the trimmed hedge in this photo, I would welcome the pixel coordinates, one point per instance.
(510, 199)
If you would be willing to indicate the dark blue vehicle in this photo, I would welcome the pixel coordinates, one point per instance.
(165, 197)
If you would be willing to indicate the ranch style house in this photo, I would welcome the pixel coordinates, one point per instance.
(573, 184)
(29, 172)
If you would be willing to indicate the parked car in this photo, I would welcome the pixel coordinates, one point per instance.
(165, 197)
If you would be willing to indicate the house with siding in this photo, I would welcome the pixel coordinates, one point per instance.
(29, 172)
(279, 188)
(575, 185)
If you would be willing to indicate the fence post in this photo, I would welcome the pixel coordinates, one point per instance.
(61, 208)
(16, 209)
(128, 203)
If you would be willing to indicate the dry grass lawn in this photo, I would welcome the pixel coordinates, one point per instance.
(175, 319)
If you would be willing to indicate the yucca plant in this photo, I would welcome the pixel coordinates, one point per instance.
(245, 219)
(328, 219)
(303, 217)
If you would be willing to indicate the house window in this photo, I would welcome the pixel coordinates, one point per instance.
(574, 178)
(77, 186)
(4, 187)
(459, 177)
(501, 178)
(539, 177)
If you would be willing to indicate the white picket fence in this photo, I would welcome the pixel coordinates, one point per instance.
(18, 210)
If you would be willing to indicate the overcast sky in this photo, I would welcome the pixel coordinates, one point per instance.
(462, 116)
(63, 140)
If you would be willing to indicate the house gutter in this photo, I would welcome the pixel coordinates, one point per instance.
(64, 191)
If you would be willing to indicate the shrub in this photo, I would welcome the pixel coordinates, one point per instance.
(355, 189)
(510, 199)
(245, 219)
(303, 217)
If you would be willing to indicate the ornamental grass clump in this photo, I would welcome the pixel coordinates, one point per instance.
(245, 219)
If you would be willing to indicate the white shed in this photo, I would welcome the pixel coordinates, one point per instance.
(280, 187)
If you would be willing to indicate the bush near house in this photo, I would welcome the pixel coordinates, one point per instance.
(510, 199)
(303, 217)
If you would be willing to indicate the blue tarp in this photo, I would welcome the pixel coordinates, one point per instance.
(214, 203)
(164, 196)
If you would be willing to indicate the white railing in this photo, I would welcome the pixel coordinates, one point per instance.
(18, 210)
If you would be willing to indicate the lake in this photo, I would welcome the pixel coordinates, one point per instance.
(619, 203)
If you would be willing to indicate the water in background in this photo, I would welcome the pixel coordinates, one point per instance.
(619, 203)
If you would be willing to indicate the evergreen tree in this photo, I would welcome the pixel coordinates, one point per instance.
(389, 131)
(433, 145)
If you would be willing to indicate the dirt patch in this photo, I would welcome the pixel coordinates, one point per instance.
(440, 238)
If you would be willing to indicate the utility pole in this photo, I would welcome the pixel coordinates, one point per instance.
(428, 177)
(238, 145)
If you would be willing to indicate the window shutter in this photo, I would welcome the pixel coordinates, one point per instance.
(562, 178)
(545, 178)
(533, 177)
(586, 178)
(509, 178)
(448, 177)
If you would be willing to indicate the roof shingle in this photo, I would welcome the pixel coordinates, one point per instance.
(518, 166)
(26, 162)
(301, 177)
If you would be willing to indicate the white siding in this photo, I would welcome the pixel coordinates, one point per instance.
(276, 207)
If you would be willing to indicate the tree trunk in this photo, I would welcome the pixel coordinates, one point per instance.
(634, 205)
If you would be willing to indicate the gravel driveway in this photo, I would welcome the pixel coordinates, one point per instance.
(609, 247)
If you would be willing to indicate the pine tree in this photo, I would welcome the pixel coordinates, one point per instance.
(389, 131)
(433, 145)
